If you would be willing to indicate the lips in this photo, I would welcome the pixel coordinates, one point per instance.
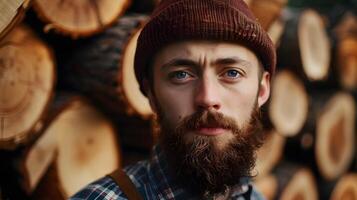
(210, 130)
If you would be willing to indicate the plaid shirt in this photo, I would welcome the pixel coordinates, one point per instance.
(153, 182)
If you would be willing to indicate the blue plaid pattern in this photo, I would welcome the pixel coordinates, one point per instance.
(152, 181)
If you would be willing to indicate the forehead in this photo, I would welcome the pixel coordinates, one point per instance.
(198, 50)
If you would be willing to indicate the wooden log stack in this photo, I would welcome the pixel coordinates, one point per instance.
(83, 138)
(104, 65)
(289, 181)
(64, 106)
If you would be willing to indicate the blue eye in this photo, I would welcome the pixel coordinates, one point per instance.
(232, 73)
(180, 75)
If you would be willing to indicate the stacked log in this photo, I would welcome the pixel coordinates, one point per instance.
(79, 18)
(288, 107)
(65, 156)
(36, 160)
(306, 47)
(346, 188)
(33, 137)
(313, 106)
(270, 154)
(289, 181)
(347, 62)
(27, 79)
(104, 65)
(327, 140)
(84, 138)
(275, 31)
(345, 35)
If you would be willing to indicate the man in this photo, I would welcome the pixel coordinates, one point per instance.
(205, 66)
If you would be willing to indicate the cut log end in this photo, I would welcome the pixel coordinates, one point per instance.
(346, 188)
(314, 45)
(137, 101)
(26, 83)
(39, 158)
(301, 186)
(276, 30)
(347, 62)
(335, 136)
(80, 18)
(88, 139)
(288, 108)
(270, 153)
(85, 144)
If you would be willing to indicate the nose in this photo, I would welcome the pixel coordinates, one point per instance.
(207, 95)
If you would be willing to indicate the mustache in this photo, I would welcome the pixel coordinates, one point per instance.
(208, 119)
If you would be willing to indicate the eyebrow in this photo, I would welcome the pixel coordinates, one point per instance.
(230, 61)
(220, 61)
(180, 62)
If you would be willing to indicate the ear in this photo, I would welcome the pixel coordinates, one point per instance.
(150, 95)
(264, 89)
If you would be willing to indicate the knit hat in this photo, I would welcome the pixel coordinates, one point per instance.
(216, 20)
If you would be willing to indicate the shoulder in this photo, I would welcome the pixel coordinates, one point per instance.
(104, 188)
(138, 172)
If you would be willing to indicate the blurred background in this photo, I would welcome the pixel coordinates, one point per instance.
(71, 110)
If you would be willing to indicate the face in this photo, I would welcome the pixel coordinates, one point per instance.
(206, 95)
(219, 77)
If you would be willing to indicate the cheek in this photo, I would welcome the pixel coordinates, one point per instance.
(174, 104)
(242, 102)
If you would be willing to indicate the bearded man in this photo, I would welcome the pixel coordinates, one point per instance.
(205, 66)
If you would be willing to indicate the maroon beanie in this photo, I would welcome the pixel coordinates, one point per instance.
(215, 20)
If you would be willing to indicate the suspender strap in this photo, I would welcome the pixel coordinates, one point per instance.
(125, 184)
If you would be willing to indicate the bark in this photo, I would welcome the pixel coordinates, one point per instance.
(326, 142)
(102, 69)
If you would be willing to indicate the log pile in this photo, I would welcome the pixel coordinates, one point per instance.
(82, 138)
(71, 110)
(313, 105)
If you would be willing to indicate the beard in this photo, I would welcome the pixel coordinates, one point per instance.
(199, 163)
